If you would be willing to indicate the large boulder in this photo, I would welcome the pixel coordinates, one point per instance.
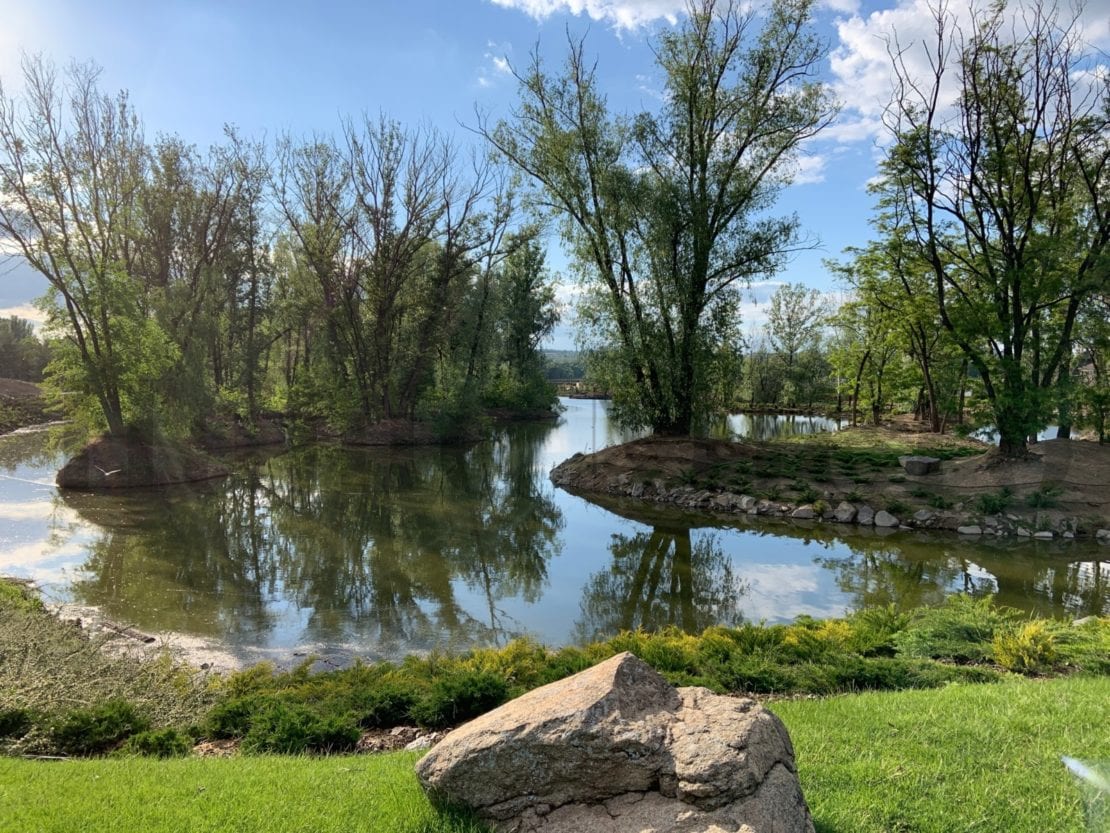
(616, 749)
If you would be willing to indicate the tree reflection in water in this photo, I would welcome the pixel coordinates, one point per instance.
(661, 578)
(367, 548)
(908, 572)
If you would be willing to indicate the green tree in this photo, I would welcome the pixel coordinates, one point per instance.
(666, 213)
(795, 320)
(1005, 197)
(72, 164)
(23, 355)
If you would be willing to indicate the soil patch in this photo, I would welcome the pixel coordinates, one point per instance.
(129, 461)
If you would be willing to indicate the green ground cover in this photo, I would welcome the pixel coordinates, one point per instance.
(61, 693)
(959, 758)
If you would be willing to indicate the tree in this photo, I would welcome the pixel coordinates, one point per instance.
(22, 354)
(794, 322)
(666, 212)
(72, 163)
(1005, 196)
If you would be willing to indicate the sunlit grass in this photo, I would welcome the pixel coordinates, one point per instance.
(247, 794)
(960, 758)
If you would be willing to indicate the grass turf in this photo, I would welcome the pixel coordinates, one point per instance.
(205, 795)
(961, 758)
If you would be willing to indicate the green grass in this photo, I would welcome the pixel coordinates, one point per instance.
(263, 793)
(961, 758)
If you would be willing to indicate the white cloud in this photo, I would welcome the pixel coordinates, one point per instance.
(31, 313)
(843, 6)
(861, 62)
(809, 169)
(496, 63)
(622, 14)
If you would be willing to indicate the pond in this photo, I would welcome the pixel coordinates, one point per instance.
(376, 552)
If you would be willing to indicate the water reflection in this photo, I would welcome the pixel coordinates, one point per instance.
(333, 546)
(763, 427)
(661, 578)
(1046, 580)
(379, 552)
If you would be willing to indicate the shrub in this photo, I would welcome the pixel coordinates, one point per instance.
(897, 507)
(1046, 497)
(291, 728)
(98, 729)
(387, 704)
(1029, 649)
(996, 503)
(961, 630)
(458, 697)
(232, 718)
(159, 743)
(15, 723)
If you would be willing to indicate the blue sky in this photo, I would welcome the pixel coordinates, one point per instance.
(270, 67)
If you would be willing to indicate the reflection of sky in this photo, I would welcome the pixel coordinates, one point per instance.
(782, 576)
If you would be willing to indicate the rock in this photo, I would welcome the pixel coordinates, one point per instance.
(424, 742)
(865, 516)
(918, 465)
(615, 749)
(1022, 532)
(1103, 536)
(970, 530)
(1083, 622)
(1044, 535)
(923, 516)
(1069, 534)
(804, 513)
(747, 503)
(845, 513)
(885, 519)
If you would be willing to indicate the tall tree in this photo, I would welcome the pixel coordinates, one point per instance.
(666, 212)
(1005, 195)
(72, 166)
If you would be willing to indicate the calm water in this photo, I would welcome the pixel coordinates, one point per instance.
(376, 552)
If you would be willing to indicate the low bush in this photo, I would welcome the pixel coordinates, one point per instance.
(15, 723)
(458, 697)
(994, 503)
(159, 743)
(1028, 649)
(96, 730)
(292, 728)
(961, 630)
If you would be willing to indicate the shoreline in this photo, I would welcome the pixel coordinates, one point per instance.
(1048, 497)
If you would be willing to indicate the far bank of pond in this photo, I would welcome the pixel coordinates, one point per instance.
(379, 552)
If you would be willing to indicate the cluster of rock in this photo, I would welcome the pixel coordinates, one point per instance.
(843, 512)
(616, 749)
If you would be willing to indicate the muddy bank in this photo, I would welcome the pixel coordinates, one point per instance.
(1061, 491)
(131, 461)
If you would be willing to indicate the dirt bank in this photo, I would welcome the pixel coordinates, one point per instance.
(1061, 490)
(130, 461)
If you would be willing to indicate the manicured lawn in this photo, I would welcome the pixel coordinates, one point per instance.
(959, 758)
(251, 794)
